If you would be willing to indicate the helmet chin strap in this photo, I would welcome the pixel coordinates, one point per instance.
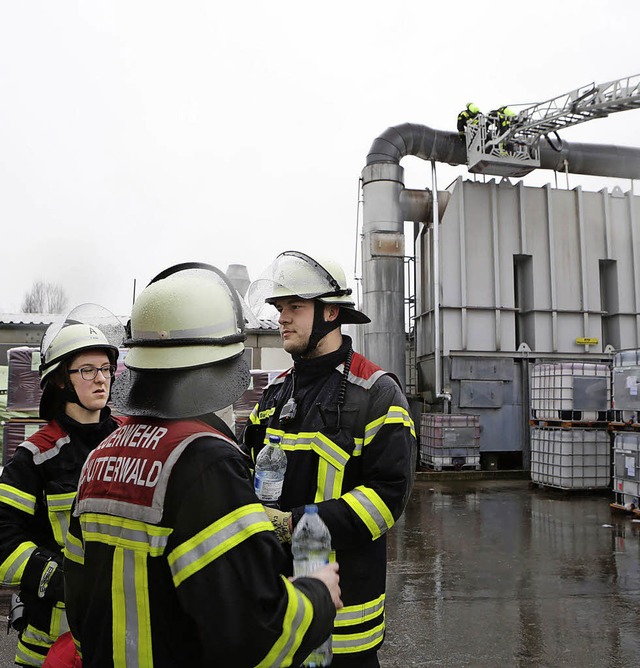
(320, 328)
(69, 395)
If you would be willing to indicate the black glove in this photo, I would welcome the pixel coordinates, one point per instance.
(43, 576)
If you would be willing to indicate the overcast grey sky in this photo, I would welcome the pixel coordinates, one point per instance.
(137, 134)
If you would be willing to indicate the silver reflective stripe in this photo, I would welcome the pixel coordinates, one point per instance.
(131, 609)
(17, 564)
(137, 536)
(366, 383)
(343, 644)
(63, 521)
(216, 540)
(26, 659)
(370, 509)
(41, 457)
(330, 477)
(292, 628)
(72, 547)
(7, 493)
(355, 614)
(332, 452)
(62, 503)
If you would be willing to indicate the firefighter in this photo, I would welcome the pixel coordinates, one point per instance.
(500, 120)
(468, 115)
(39, 483)
(348, 436)
(170, 559)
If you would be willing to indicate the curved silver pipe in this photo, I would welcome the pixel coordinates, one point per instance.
(424, 142)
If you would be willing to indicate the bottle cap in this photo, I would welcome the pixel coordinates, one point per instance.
(311, 509)
(274, 438)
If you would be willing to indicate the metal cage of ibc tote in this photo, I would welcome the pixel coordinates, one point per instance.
(570, 441)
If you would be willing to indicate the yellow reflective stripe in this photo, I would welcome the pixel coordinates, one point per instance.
(59, 623)
(273, 432)
(59, 511)
(38, 637)
(12, 568)
(359, 444)
(394, 415)
(122, 532)
(371, 509)
(217, 539)
(295, 624)
(28, 656)
(262, 415)
(253, 416)
(74, 549)
(61, 501)
(141, 579)
(348, 643)
(363, 612)
(131, 632)
(118, 606)
(16, 498)
(330, 481)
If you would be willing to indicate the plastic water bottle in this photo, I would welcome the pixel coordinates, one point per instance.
(271, 463)
(311, 545)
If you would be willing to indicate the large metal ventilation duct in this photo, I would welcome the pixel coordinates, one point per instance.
(385, 210)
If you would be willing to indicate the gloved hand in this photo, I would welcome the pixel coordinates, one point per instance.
(43, 575)
(281, 523)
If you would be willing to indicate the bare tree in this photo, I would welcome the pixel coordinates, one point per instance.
(44, 298)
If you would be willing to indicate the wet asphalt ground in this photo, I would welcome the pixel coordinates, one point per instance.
(500, 573)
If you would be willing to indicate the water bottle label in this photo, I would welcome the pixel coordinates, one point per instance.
(302, 567)
(268, 488)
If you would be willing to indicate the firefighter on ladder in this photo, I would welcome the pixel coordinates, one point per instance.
(500, 120)
(468, 115)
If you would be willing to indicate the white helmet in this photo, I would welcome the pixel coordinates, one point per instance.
(86, 327)
(295, 274)
(185, 346)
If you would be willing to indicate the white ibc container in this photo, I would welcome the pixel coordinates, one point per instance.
(626, 385)
(570, 458)
(571, 391)
(449, 440)
(626, 468)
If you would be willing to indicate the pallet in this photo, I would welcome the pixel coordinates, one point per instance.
(570, 424)
(624, 426)
(617, 507)
(570, 490)
(440, 467)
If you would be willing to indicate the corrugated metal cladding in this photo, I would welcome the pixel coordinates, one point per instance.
(533, 265)
(557, 270)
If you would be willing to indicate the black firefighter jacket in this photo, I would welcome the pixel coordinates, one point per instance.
(356, 462)
(37, 488)
(171, 561)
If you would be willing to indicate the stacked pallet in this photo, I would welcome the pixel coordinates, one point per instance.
(570, 439)
(626, 431)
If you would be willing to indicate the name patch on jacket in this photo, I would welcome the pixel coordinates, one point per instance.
(128, 473)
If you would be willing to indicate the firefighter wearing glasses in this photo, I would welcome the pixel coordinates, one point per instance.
(348, 436)
(170, 559)
(38, 485)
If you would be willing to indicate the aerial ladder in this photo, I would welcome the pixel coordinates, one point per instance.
(516, 151)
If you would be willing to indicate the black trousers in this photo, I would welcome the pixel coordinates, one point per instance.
(365, 660)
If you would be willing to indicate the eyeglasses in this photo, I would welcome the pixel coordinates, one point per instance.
(90, 372)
